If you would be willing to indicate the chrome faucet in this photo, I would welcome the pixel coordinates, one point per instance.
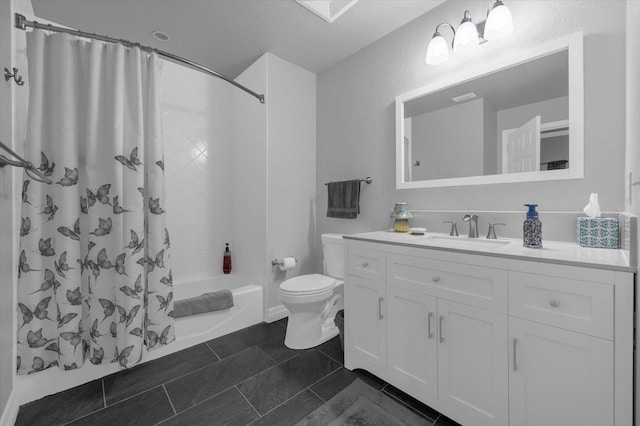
(454, 228)
(491, 235)
(473, 224)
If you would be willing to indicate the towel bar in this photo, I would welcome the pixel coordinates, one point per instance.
(368, 179)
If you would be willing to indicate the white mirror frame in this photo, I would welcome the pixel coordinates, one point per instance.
(573, 43)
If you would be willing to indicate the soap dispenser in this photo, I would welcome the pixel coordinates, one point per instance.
(532, 228)
(226, 260)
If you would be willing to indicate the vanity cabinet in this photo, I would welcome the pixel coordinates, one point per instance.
(472, 380)
(558, 377)
(365, 309)
(447, 331)
(561, 333)
(413, 342)
(492, 341)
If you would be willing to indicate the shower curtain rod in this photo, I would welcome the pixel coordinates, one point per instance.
(22, 23)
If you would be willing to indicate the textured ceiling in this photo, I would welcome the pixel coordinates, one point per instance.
(228, 35)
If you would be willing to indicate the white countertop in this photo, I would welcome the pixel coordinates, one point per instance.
(552, 251)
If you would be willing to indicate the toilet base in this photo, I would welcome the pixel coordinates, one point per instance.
(304, 332)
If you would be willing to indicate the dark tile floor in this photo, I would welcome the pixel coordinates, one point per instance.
(247, 377)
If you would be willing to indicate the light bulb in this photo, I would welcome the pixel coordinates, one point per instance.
(437, 50)
(466, 37)
(499, 22)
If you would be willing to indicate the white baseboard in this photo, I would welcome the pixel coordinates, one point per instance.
(276, 313)
(10, 413)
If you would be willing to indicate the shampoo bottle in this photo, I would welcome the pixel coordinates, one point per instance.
(532, 228)
(226, 260)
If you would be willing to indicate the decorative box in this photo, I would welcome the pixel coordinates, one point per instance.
(601, 232)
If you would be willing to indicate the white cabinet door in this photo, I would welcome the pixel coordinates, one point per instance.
(472, 364)
(413, 348)
(559, 377)
(366, 325)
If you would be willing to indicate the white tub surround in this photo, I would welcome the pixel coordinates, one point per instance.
(273, 172)
(488, 332)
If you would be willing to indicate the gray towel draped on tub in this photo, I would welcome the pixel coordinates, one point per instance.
(207, 302)
(344, 199)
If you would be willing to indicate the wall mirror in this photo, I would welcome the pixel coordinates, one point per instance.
(516, 119)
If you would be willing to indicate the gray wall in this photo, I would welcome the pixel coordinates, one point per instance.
(356, 123)
(445, 146)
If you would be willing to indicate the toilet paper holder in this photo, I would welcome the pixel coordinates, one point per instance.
(280, 262)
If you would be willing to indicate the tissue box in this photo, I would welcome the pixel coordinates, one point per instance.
(601, 232)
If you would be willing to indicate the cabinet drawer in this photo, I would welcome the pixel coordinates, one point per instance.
(570, 304)
(366, 263)
(469, 284)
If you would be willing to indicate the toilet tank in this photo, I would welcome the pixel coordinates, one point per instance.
(333, 255)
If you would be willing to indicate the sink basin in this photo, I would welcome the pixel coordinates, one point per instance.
(465, 242)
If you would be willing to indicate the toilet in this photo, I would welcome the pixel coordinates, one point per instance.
(313, 300)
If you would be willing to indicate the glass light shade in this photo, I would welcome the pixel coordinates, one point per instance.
(466, 37)
(437, 50)
(401, 211)
(499, 23)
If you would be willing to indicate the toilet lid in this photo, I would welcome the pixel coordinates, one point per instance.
(307, 284)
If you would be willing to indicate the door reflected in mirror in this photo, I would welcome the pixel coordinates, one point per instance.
(518, 121)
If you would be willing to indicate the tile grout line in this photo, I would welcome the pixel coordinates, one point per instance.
(294, 395)
(325, 376)
(214, 352)
(321, 398)
(104, 394)
(282, 403)
(172, 380)
(330, 357)
(275, 360)
(248, 402)
(224, 390)
(267, 355)
(138, 394)
(277, 364)
(266, 369)
(163, 383)
(205, 400)
(104, 407)
(170, 402)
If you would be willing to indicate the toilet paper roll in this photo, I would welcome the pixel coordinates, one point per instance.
(287, 263)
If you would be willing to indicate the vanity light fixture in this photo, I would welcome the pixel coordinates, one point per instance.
(499, 23)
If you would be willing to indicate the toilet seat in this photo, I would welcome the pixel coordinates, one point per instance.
(307, 285)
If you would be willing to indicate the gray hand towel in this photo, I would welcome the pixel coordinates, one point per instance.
(207, 302)
(344, 199)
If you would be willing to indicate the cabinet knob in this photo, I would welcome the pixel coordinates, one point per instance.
(365, 264)
(554, 303)
(435, 278)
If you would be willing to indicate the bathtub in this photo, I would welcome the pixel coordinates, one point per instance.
(190, 331)
(194, 329)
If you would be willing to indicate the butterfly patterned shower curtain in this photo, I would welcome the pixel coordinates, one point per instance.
(94, 274)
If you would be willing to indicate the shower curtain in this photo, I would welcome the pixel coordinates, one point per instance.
(94, 273)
